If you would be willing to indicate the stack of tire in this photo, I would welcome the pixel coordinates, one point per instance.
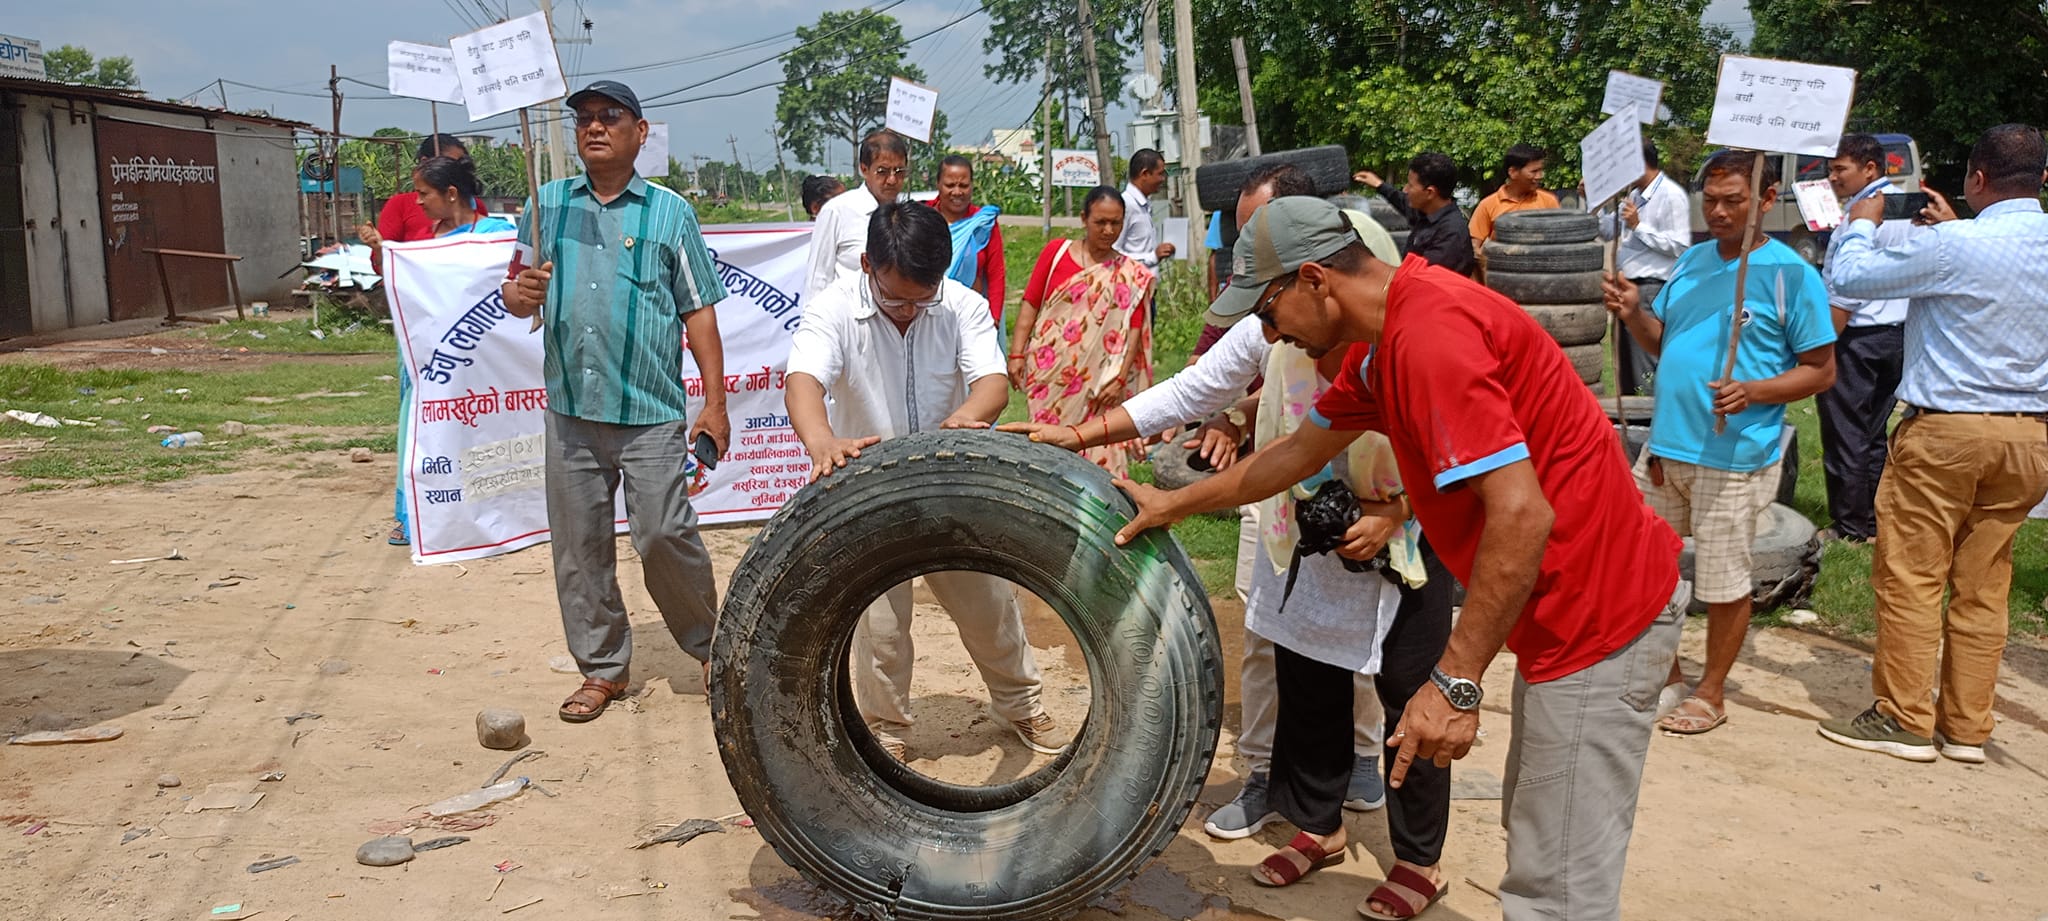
(1549, 262)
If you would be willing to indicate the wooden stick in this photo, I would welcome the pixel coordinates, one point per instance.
(521, 905)
(1756, 213)
(532, 192)
(1612, 259)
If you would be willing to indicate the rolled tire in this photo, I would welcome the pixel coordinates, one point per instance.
(1217, 184)
(1588, 360)
(899, 844)
(1544, 258)
(1170, 470)
(1530, 288)
(1572, 324)
(1784, 560)
(1549, 225)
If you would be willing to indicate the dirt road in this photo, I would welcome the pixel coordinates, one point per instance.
(289, 603)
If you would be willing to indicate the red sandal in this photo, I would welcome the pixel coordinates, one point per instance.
(1286, 871)
(1406, 890)
(596, 694)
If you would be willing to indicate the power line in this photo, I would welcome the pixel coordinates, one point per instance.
(849, 63)
(866, 13)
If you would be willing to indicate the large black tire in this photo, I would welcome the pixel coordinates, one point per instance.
(1784, 560)
(1528, 288)
(1544, 258)
(1217, 184)
(1572, 324)
(899, 844)
(1550, 225)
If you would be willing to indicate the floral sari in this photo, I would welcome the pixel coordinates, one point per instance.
(1090, 350)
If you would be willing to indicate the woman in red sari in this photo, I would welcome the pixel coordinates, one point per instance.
(1084, 333)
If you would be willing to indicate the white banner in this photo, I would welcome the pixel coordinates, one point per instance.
(474, 467)
(911, 109)
(508, 66)
(1763, 104)
(1612, 158)
(423, 72)
(1076, 168)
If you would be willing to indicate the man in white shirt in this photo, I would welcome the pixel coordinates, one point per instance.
(1870, 356)
(842, 230)
(1655, 225)
(1140, 240)
(900, 348)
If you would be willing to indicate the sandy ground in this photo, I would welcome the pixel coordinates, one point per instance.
(202, 661)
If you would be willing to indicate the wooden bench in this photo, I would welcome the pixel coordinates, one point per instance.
(163, 275)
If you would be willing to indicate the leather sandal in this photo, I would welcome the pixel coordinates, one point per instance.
(1407, 892)
(1286, 871)
(596, 694)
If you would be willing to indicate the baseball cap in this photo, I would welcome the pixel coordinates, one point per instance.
(612, 90)
(1280, 238)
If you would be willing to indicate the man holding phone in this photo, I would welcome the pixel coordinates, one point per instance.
(1870, 352)
(623, 273)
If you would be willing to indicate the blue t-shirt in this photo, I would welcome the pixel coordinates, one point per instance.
(1696, 306)
(1215, 238)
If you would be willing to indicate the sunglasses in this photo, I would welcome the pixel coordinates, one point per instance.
(896, 173)
(609, 116)
(1264, 309)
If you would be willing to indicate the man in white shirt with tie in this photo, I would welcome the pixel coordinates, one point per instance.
(1140, 240)
(1655, 225)
(1870, 355)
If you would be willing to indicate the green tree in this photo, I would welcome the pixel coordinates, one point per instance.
(1911, 76)
(838, 84)
(500, 167)
(1017, 37)
(380, 161)
(73, 64)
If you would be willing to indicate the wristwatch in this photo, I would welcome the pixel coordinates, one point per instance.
(1235, 417)
(1463, 693)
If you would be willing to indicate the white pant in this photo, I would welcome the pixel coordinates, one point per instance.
(1259, 703)
(991, 626)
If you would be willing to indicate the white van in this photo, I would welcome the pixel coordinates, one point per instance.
(1902, 164)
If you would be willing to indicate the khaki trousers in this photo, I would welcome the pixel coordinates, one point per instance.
(1957, 490)
(991, 624)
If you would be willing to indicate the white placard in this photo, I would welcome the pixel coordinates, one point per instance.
(424, 72)
(1625, 89)
(474, 467)
(911, 109)
(652, 163)
(508, 66)
(1764, 104)
(22, 57)
(1818, 204)
(1612, 157)
(1075, 168)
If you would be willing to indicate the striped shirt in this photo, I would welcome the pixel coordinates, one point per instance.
(625, 274)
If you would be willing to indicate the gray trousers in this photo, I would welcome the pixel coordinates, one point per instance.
(586, 461)
(991, 624)
(1575, 765)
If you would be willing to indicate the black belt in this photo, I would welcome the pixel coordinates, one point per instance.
(1917, 410)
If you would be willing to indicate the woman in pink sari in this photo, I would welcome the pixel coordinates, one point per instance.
(1083, 341)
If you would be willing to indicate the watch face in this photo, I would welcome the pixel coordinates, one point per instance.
(1463, 694)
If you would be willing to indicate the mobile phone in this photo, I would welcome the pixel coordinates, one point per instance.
(1904, 207)
(706, 451)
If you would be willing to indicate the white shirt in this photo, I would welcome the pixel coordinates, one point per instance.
(1139, 241)
(1885, 311)
(839, 239)
(1662, 233)
(882, 382)
(1335, 616)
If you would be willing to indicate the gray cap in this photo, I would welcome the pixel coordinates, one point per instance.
(612, 90)
(1281, 237)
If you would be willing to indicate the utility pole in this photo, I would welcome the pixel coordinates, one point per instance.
(1190, 120)
(334, 154)
(1097, 112)
(788, 213)
(1154, 65)
(1244, 95)
(552, 113)
(735, 142)
(697, 162)
(1045, 141)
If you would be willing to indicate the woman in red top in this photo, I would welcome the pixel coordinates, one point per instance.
(955, 202)
(1084, 333)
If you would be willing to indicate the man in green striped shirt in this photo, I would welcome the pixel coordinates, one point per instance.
(625, 279)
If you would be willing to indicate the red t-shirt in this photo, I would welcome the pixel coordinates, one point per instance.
(989, 265)
(1464, 382)
(403, 221)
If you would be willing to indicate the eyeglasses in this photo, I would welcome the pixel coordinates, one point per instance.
(610, 116)
(896, 173)
(1264, 309)
(898, 304)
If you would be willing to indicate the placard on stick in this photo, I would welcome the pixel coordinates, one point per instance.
(424, 72)
(1625, 89)
(912, 108)
(1765, 104)
(1612, 157)
(508, 66)
(652, 162)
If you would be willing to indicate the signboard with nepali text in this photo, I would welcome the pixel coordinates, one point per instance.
(474, 464)
(22, 57)
(911, 109)
(1764, 104)
(423, 72)
(1076, 169)
(1611, 158)
(507, 66)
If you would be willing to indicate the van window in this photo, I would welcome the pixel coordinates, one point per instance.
(1898, 159)
(1811, 168)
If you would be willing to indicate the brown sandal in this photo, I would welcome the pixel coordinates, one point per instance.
(595, 694)
(1406, 892)
(1286, 871)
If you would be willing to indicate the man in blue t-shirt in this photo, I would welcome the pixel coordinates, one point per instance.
(1711, 483)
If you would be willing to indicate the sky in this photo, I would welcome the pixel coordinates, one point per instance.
(285, 48)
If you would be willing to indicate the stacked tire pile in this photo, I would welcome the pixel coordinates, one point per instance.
(1549, 262)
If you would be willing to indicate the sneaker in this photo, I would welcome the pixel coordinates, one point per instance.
(1872, 731)
(1245, 815)
(1956, 751)
(1367, 791)
(1041, 734)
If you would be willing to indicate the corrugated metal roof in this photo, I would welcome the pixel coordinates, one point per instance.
(133, 99)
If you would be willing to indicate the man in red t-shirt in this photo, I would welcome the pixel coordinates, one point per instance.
(1517, 479)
